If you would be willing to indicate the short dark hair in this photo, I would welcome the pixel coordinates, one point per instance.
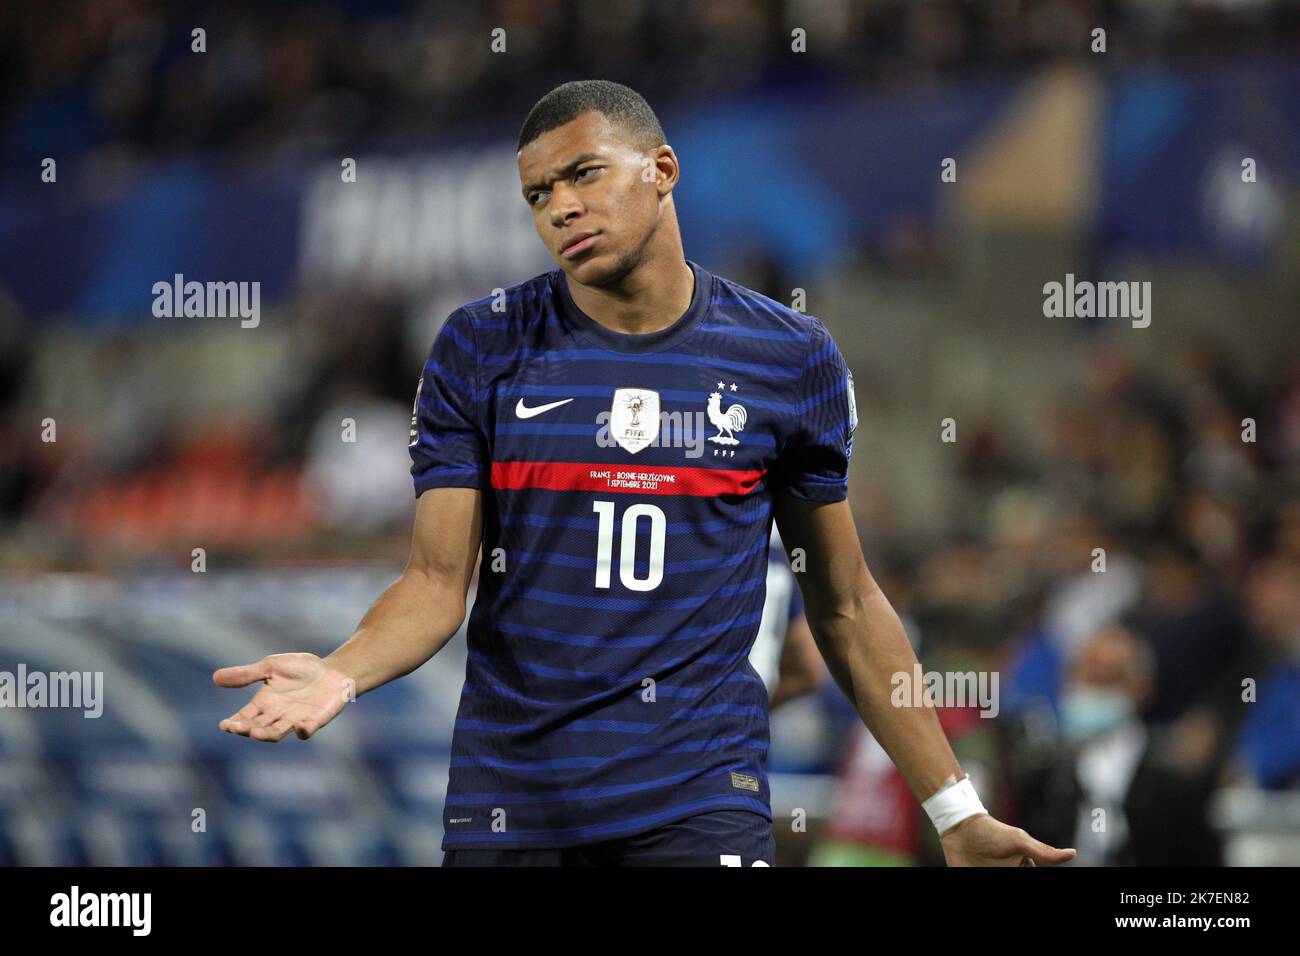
(623, 106)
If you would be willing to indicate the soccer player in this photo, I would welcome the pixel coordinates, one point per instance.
(618, 435)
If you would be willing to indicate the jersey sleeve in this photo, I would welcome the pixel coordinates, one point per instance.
(448, 445)
(814, 461)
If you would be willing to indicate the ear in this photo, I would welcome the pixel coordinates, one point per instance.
(661, 166)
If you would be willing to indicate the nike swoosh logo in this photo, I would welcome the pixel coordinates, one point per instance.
(523, 411)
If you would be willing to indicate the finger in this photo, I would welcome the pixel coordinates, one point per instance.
(233, 725)
(241, 721)
(271, 733)
(243, 675)
(1051, 856)
(305, 728)
(248, 711)
(1039, 852)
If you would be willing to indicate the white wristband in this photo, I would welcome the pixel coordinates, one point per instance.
(953, 804)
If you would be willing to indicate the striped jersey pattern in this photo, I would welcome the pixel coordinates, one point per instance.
(627, 510)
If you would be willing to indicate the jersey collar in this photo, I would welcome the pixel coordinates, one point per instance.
(593, 331)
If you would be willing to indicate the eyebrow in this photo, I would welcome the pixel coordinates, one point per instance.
(568, 168)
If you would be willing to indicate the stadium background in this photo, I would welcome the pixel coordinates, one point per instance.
(817, 171)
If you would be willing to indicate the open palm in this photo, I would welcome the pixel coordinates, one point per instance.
(301, 694)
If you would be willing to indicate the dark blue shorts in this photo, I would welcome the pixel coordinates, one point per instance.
(717, 838)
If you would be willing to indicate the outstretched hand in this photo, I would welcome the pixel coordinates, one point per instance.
(984, 841)
(301, 694)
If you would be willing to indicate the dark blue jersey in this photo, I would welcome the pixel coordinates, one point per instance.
(627, 487)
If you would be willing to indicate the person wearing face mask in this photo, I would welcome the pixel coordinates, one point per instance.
(1133, 801)
(1113, 676)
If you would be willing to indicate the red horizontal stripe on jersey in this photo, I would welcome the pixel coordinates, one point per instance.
(623, 479)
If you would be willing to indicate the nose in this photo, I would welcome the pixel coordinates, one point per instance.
(564, 204)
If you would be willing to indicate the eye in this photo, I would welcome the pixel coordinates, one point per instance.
(533, 196)
(587, 169)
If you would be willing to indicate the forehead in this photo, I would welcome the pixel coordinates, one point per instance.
(550, 152)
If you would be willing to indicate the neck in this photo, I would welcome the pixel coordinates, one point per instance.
(651, 297)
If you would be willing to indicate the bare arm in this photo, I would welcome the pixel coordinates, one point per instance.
(411, 621)
(419, 613)
(861, 638)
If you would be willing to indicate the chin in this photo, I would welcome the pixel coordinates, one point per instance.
(594, 270)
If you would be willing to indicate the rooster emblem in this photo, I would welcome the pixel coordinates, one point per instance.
(732, 420)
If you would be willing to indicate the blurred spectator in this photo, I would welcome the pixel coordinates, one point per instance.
(1269, 743)
(1116, 788)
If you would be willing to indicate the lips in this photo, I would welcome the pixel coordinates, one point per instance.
(575, 245)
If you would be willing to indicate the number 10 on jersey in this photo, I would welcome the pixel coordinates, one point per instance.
(627, 547)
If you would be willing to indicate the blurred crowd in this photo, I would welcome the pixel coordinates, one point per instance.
(116, 80)
(127, 449)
